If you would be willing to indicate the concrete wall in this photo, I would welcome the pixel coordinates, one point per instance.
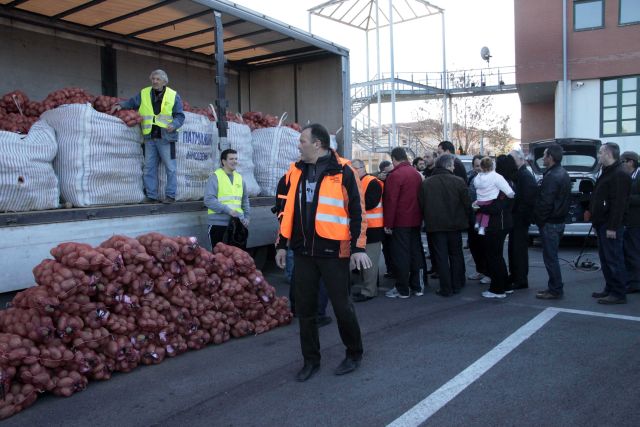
(38, 64)
(537, 122)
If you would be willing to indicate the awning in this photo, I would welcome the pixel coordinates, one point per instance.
(183, 28)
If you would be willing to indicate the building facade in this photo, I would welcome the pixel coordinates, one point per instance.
(602, 69)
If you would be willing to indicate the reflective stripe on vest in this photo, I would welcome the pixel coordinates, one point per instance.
(149, 118)
(374, 216)
(229, 194)
(332, 216)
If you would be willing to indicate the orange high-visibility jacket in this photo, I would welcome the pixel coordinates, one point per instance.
(332, 211)
(374, 216)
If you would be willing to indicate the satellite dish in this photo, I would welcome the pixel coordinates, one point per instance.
(485, 54)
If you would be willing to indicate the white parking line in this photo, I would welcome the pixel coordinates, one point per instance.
(436, 400)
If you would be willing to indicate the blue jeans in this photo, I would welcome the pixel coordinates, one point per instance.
(612, 261)
(551, 235)
(156, 150)
(631, 246)
(323, 297)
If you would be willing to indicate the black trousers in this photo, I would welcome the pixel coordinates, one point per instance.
(434, 262)
(494, 243)
(449, 260)
(519, 254)
(478, 250)
(386, 252)
(217, 233)
(336, 275)
(407, 259)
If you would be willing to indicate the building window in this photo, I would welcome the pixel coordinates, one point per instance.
(588, 14)
(629, 12)
(620, 106)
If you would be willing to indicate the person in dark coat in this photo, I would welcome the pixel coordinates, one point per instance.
(631, 243)
(446, 147)
(500, 223)
(384, 169)
(523, 203)
(402, 219)
(446, 206)
(608, 207)
(550, 211)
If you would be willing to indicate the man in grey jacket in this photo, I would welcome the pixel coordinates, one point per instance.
(225, 197)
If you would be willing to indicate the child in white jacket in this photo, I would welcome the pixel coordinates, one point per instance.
(488, 184)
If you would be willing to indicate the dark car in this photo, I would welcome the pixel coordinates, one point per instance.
(580, 159)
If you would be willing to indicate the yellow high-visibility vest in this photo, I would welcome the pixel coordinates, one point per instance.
(149, 118)
(229, 194)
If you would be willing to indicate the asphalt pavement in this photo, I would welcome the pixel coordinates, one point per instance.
(455, 361)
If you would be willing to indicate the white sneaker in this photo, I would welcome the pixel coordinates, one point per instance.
(476, 225)
(393, 293)
(509, 292)
(486, 280)
(417, 293)
(476, 276)
(481, 231)
(488, 294)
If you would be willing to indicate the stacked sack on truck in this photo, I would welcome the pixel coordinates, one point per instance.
(27, 179)
(196, 158)
(128, 302)
(239, 139)
(99, 160)
(274, 149)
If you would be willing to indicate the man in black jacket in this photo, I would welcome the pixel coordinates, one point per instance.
(523, 204)
(631, 243)
(446, 206)
(608, 207)
(551, 207)
(446, 147)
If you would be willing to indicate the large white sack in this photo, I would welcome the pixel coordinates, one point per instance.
(274, 149)
(197, 156)
(239, 138)
(27, 179)
(99, 160)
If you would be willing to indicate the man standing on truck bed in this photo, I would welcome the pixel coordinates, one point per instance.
(162, 116)
(225, 197)
(324, 224)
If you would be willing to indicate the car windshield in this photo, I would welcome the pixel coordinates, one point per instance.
(575, 158)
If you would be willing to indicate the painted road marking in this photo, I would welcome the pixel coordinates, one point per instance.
(422, 411)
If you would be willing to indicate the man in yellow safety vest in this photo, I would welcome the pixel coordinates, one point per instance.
(162, 116)
(225, 197)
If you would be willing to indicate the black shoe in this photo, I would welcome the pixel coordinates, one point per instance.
(520, 286)
(633, 290)
(547, 295)
(169, 200)
(610, 299)
(346, 366)
(439, 292)
(323, 321)
(307, 371)
(360, 298)
(602, 294)
(149, 200)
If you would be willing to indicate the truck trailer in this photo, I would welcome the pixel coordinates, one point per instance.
(215, 52)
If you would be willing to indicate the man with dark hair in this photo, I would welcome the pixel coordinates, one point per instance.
(419, 164)
(609, 202)
(446, 206)
(324, 224)
(225, 197)
(475, 241)
(429, 163)
(631, 245)
(446, 147)
(402, 220)
(550, 210)
(384, 169)
(523, 204)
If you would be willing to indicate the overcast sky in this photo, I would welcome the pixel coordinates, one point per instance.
(469, 24)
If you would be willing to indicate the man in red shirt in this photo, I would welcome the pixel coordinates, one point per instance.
(402, 219)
